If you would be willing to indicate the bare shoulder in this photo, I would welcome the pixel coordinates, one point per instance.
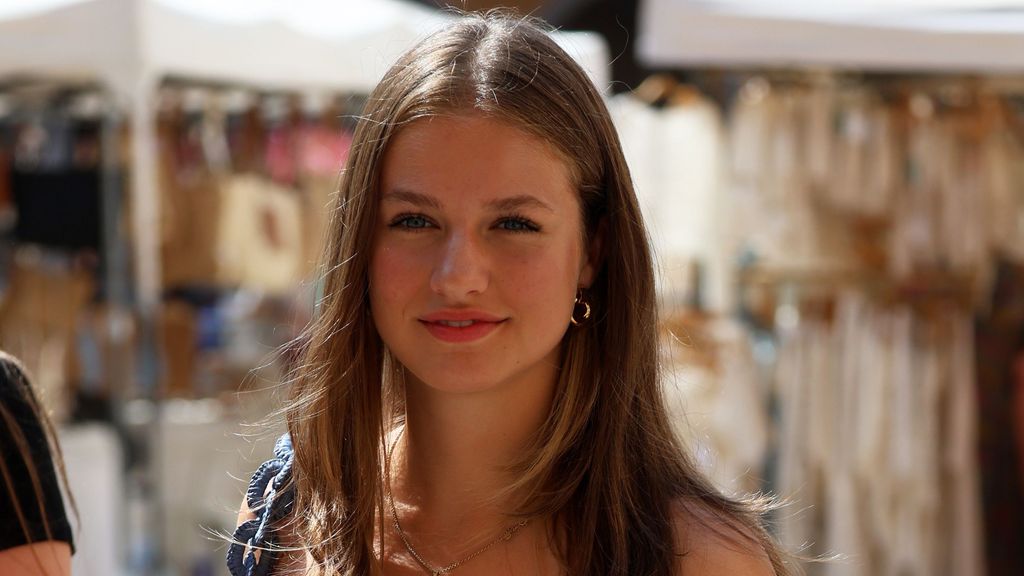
(711, 546)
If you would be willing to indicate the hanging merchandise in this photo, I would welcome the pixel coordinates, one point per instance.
(323, 147)
(61, 242)
(190, 201)
(98, 364)
(775, 194)
(259, 243)
(870, 214)
(245, 133)
(877, 440)
(891, 179)
(239, 177)
(48, 292)
(715, 399)
(940, 215)
(675, 153)
(178, 332)
(318, 192)
(1004, 152)
(323, 150)
(56, 182)
(281, 142)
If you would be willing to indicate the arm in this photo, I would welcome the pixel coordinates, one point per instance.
(50, 558)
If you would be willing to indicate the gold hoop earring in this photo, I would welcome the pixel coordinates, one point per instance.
(580, 301)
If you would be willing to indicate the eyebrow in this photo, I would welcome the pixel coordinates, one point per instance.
(502, 204)
(410, 197)
(517, 202)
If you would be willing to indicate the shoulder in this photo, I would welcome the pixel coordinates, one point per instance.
(42, 558)
(30, 491)
(13, 383)
(713, 546)
(19, 402)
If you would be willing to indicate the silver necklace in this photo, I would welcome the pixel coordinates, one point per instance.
(503, 537)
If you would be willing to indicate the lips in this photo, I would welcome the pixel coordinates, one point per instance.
(459, 326)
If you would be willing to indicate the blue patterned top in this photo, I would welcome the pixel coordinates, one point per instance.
(270, 506)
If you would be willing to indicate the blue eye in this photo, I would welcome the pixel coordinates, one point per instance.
(410, 222)
(518, 224)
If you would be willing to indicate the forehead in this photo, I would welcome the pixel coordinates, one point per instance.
(473, 156)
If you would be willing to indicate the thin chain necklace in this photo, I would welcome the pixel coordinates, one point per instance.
(503, 537)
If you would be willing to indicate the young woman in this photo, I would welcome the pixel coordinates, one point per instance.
(35, 535)
(479, 392)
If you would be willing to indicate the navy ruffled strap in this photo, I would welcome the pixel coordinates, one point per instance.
(269, 506)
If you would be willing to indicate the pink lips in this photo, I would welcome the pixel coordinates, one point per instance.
(481, 324)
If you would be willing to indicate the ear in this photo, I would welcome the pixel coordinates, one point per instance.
(594, 256)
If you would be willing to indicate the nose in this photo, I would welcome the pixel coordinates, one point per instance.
(461, 269)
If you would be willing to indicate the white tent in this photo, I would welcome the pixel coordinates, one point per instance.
(303, 44)
(881, 35)
(300, 45)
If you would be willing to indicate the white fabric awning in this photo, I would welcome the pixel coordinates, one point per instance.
(896, 35)
(339, 45)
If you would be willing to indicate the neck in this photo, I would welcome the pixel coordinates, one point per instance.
(454, 454)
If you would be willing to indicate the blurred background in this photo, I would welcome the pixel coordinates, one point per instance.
(835, 192)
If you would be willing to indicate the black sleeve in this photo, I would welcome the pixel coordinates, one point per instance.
(36, 513)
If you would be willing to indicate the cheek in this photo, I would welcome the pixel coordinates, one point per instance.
(544, 282)
(389, 280)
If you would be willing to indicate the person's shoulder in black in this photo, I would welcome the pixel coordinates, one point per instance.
(31, 507)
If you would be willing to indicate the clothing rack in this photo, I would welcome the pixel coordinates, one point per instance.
(762, 291)
(26, 94)
(718, 82)
(127, 369)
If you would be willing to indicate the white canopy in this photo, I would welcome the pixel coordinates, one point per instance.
(881, 35)
(302, 45)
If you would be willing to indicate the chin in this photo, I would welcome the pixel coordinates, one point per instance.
(459, 383)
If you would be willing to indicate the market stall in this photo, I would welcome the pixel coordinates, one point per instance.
(862, 217)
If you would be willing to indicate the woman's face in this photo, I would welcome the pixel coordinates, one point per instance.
(477, 254)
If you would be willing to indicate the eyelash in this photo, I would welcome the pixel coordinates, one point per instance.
(401, 220)
(526, 224)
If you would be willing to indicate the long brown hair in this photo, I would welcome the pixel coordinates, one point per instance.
(606, 466)
(14, 373)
